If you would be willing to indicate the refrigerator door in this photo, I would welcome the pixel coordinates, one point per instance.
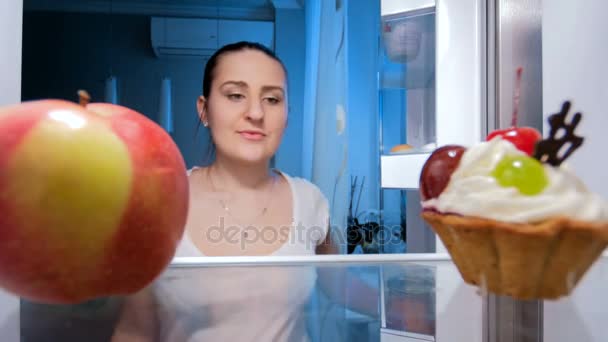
(455, 83)
(444, 102)
(574, 54)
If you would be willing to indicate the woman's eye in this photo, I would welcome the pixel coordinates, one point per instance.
(273, 100)
(235, 96)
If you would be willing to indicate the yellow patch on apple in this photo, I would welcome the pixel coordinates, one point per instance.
(81, 172)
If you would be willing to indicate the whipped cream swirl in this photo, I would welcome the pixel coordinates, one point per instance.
(472, 191)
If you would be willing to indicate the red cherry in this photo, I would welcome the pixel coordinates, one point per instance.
(524, 138)
(438, 169)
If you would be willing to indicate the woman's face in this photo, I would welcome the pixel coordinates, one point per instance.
(247, 106)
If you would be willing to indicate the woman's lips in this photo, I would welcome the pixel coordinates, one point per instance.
(252, 135)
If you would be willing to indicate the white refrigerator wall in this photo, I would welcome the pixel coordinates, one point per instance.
(575, 67)
(459, 57)
(11, 13)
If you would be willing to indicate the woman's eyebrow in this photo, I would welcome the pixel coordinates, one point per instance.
(272, 87)
(243, 84)
(236, 83)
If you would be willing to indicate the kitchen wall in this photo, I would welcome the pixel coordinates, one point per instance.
(64, 52)
(363, 22)
(290, 44)
(10, 69)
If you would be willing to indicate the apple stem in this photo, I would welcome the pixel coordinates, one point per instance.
(516, 97)
(83, 98)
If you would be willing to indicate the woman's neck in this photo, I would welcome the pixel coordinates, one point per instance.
(230, 175)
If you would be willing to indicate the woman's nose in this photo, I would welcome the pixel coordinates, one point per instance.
(255, 110)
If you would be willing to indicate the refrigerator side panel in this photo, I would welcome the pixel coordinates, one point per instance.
(11, 12)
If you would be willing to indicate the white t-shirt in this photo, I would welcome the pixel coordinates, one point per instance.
(246, 303)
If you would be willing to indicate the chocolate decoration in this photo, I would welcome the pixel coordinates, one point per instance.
(548, 150)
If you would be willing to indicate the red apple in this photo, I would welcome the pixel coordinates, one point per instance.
(438, 169)
(93, 200)
(524, 138)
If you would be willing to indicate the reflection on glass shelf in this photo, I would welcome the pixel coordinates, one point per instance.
(411, 290)
(336, 298)
(384, 298)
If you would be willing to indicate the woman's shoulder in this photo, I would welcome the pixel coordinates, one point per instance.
(307, 191)
(313, 206)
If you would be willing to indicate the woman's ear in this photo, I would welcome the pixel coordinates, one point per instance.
(201, 107)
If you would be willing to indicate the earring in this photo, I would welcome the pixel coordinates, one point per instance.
(205, 123)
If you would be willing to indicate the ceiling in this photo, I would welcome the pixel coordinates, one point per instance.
(230, 9)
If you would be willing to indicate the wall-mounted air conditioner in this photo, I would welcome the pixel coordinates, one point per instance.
(202, 37)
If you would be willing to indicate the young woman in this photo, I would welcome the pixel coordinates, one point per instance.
(239, 206)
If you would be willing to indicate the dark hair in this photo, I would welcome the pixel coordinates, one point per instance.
(209, 75)
(234, 47)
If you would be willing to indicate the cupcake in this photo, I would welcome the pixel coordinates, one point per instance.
(515, 220)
